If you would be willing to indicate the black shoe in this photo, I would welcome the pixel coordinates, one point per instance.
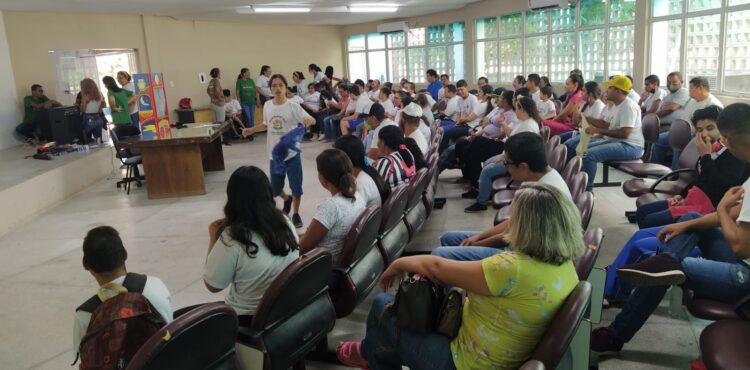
(251, 138)
(297, 220)
(604, 340)
(287, 205)
(471, 194)
(476, 207)
(227, 143)
(658, 270)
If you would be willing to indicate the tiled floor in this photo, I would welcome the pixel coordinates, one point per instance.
(42, 281)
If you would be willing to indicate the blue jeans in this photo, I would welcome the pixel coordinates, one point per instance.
(385, 347)
(331, 127)
(661, 148)
(602, 150)
(466, 253)
(452, 133)
(654, 214)
(249, 110)
(565, 136)
(489, 172)
(27, 130)
(92, 126)
(447, 159)
(294, 172)
(454, 238)
(719, 275)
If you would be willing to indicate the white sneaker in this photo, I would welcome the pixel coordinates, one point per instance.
(322, 138)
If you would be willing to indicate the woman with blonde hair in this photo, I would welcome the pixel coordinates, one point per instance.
(513, 295)
(91, 106)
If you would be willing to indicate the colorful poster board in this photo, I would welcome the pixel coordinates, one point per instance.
(152, 105)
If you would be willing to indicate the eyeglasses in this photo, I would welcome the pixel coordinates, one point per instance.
(509, 163)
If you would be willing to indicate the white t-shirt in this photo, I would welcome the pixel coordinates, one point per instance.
(693, 105)
(537, 97)
(155, 292)
(425, 130)
(302, 88)
(248, 278)
(468, 106)
(280, 119)
(362, 105)
(388, 107)
(367, 189)
(376, 132)
(262, 82)
(233, 106)
(554, 179)
(424, 147)
(374, 95)
(296, 99)
(451, 108)
(313, 100)
(545, 108)
(632, 95)
(319, 76)
(626, 114)
(595, 110)
(745, 210)
(337, 214)
(131, 87)
(679, 97)
(660, 94)
(528, 125)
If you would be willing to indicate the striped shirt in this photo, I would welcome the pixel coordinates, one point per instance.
(394, 169)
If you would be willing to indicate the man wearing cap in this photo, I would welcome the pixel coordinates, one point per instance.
(411, 117)
(618, 136)
(376, 120)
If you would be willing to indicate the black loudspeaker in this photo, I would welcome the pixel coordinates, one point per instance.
(66, 125)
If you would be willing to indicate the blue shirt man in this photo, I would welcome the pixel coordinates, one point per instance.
(435, 85)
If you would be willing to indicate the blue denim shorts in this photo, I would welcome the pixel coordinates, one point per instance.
(293, 172)
(356, 122)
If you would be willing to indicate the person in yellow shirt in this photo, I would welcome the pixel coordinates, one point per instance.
(512, 296)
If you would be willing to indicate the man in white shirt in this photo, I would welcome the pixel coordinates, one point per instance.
(104, 258)
(450, 114)
(700, 97)
(465, 117)
(620, 132)
(385, 100)
(652, 95)
(376, 119)
(669, 109)
(361, 106)
(532, 83)
(374, 92)
(411, 117)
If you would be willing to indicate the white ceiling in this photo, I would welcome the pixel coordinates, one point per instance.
(225, 10)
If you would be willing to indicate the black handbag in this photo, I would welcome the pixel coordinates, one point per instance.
(450, 314)
(417, 304)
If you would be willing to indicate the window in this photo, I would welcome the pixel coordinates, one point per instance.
(408, 54)
(71, 66)
(707, 38)
(594, 35)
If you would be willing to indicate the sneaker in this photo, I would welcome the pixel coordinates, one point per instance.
(604, 340)
(322, 138)
(297, 221)
(476, 207)
(471, 194)
(287, 205)
(658, 270)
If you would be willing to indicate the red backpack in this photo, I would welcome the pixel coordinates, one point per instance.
(118, 326)
(185, 103)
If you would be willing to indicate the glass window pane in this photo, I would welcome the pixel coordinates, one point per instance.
(666, 46)
(456, 67)
(737, 53)
(456, 32)
(356, 43)
(666, 7)
(417, 64)
(487, 60)
(564, 18)
(357, 66)
(537, 21)
(592, 12)
(486, 28)
(535, 59)
(620, 53)
(591, 54)
(695, 5)
(416, 36)
(376, 62)
(511, 59)
(621, 11)
(375, 41)
(510, 25)
(436, 34)
(563, 51)
(396, 64)
(396, 40)
(436, 58)
(702, 45)
(738, 2)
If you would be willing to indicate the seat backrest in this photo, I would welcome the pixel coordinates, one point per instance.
(532, 365)
(167, 348)
(282, 324)
(563, 327)
(571, 169)
(650, 127)
(585, 204)
(579, 184)
(558, 105)
(592, 241)
(362, 235)
(679, 134)
(557, 157)
(551, 144)
(545, 132)
(417, 184)
(393, 208)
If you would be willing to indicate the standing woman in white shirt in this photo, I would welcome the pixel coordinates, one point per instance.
(263, 84)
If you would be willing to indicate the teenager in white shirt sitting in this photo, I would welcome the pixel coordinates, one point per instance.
(361, 105)
(465, 116)
(300, 83)
(545, 105)
(652, 95)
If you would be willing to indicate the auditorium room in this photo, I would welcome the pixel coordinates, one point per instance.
(355, 184)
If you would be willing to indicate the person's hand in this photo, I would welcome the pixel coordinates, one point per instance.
(117, 109)
(644, 95)
(732, 197)
(670, 231)
(247, 132)
(703, 144)
(470, 241)
(591, 130)
(390, 275)
(216, 228)
(677, 200)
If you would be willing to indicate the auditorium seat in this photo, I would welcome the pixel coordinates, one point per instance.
(502, 197)
(650, 130)
(710, 309)
(723, 345)
(415, 213)
(671, 183)
(585, 204)
(571, 169)
(282, 328)
(578, 184)
(592, 240)
(545, 133)
(393, 236)
(428, 197)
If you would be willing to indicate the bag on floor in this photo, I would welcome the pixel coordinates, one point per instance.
(118, 327)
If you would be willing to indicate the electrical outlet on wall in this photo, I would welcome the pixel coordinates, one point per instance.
(202, 77)
(171, 83)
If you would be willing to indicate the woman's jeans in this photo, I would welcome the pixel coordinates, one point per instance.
(92, 126)
(654, 214)
(489, 172)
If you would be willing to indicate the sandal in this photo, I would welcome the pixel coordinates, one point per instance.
(344, 354)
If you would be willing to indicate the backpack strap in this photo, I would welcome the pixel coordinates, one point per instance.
(133, 283)
(90, 305)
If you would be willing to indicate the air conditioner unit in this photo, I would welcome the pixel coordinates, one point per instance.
(547, 4)
(392, 27)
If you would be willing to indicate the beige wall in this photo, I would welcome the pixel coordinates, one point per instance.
(179, 49)
(10, 114)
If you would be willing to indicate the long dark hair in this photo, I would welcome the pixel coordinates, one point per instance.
(487, 90)
(529, 106)
(355, 150)
(110, 84)
(336, 168)
(250, 208)
(214, 72)
(508, 97)
(263, 69)
(416, 152)
(242, 72)
(393, 139)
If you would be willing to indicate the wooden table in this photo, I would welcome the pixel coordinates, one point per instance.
(174, 167)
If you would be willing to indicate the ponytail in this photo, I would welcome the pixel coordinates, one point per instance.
(419, 161)
(334, 165)
(347, 185)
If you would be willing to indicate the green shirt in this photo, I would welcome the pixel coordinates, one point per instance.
(31, 114)
(247, 91)
(121, 100)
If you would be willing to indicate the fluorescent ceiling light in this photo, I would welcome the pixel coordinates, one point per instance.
(373, 9)
(272, 9)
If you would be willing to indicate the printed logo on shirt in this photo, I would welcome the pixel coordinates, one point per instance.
(277, 122)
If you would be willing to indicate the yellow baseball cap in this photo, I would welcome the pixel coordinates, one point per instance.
(621, 82)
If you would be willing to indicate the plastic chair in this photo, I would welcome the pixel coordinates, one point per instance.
(585, 204)
(723, 345)
(207, 333)
(393, 234)
(128, 161)
(415, 213)
(671, 183)
(281, 328)
(585, 263)
(650, 130)
(571, 169)
(545, 133)
(578, 185)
